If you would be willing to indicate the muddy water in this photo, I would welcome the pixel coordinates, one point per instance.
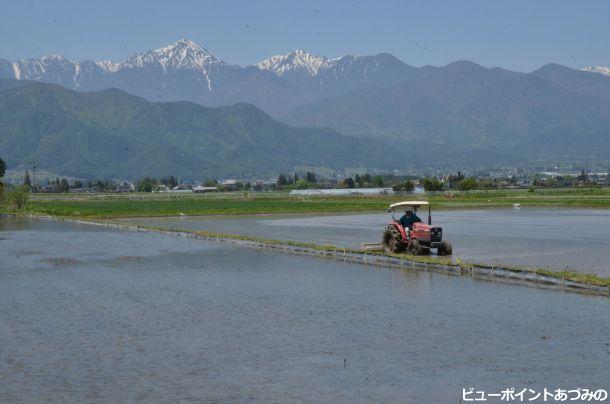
(95, 315)
(555, 238)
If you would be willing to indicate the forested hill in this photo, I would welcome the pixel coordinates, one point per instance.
(111, 133)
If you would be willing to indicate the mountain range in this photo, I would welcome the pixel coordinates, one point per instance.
(459, 114)
(113, 134)
(462, 106)
(186, 71)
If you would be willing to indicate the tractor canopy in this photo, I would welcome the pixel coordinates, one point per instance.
(406, 205)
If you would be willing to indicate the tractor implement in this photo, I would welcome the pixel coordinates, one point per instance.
(417, 237)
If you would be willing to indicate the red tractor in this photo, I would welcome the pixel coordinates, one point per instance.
(419, 238)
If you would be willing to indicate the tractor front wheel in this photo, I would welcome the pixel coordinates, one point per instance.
(415, 248)
(392, 240)
(445, 248)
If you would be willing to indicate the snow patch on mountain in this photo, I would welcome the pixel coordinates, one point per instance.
(108, 66)
(298, 60)
(50, 67)
(597, 69)
(183, 54)
(16, 70)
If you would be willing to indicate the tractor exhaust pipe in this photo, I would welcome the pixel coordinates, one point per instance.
(429, 216)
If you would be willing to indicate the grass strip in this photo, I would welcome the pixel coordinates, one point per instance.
(577, 198)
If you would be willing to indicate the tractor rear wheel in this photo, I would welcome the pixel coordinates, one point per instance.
(392, 240)
(445, 248)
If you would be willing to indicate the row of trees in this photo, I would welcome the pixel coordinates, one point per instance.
(59, 185)
(403, 185)
(148, 184)
(309, 180)
(294, 181)
(562, 181)
(432, 184)
(363, 181)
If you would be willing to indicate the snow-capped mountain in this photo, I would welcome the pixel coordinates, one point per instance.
(597, 69)
(296, 61)
(318, 77)
(53, 68)
(183, 54)
(184, 70)
(299, 61)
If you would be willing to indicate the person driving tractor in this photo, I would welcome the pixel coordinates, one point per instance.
(408, 219)
(409, 234)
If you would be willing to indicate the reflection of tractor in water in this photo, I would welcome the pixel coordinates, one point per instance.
(414, 237)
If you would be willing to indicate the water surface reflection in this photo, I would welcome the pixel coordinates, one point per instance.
(88, 314)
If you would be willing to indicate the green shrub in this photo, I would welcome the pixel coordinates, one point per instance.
(19, 196)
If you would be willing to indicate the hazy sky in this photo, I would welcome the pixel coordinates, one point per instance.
(520, 35)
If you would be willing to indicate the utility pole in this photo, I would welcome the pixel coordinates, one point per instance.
(34, 175)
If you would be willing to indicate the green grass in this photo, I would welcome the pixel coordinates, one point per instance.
(590, 197)
(575, 276)
(568, 197)
(109, 209)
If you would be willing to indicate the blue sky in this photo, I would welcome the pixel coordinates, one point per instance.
(519, 35)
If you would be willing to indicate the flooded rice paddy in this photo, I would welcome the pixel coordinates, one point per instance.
(88, 314)
(578, 239)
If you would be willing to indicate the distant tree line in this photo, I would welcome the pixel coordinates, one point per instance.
(310, 180)
(301, 180)
(363, 181)
(432, 184)
(563, 181)
(285, 181)
(457, 181)
(150, 184)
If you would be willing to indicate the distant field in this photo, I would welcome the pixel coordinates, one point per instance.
(239, 203)
(201, 207)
